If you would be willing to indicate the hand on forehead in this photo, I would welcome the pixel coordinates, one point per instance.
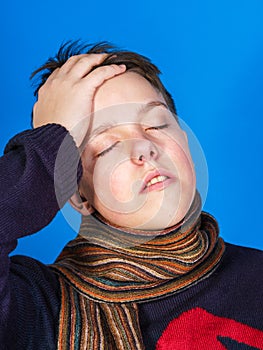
(67, 96)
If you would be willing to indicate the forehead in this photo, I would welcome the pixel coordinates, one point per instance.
(127, 98)
(125, 88)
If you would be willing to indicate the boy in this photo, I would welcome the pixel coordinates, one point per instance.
(147, 270)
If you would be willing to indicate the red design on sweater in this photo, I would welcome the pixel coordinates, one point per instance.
(200, 330)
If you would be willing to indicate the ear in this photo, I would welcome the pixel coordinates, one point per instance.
(83, 207)
(185, 136)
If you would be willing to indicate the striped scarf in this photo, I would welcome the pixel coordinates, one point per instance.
(105, 273)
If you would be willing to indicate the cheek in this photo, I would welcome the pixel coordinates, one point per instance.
(121, 183)
(115, 184)
(180, 155)
(184, 168)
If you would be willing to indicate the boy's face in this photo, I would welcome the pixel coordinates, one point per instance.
(138, 172)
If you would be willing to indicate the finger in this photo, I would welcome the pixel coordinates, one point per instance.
(99, 75)
(65, 68)
(79, 66)
(52, 77)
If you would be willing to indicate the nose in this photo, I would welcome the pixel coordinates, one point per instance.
(143, 151)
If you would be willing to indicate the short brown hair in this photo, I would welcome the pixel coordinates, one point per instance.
(133, 62)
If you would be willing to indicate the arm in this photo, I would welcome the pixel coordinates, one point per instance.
(35, 159)
(28, 197)
(27, 204)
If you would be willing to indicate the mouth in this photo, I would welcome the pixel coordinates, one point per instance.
(156, 181)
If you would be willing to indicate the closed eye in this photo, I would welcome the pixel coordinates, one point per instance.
(102, 153)
(158, 127)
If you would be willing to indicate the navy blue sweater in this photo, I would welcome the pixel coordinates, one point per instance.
(224, 311)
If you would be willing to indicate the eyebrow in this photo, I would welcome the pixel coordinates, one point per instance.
(101, 129)
(144, 109)
(150, 105)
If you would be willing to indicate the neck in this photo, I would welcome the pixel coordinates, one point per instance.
(107, 270)
(96, 229)
(112, 263)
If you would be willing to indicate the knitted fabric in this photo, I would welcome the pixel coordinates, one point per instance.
(104, 276)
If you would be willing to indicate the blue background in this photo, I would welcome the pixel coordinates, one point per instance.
(210, 54)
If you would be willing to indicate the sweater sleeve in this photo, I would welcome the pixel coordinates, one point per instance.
(39, 172)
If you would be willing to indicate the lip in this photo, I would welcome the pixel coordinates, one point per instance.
(170, 178)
